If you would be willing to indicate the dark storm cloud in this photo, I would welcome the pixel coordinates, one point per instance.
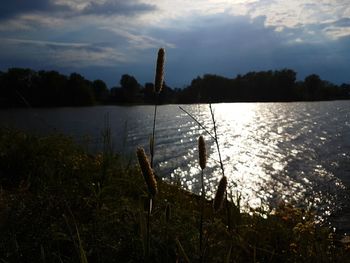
(11, 8)
(117, 8)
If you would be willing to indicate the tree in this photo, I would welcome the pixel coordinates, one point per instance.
(100, 90)
(148, 93)
(285, 82)
(16, 86)
(130, 87)
(50, 87)
(79, 91)
(313, 86)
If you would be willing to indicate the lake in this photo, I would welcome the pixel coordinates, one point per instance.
(296, 152)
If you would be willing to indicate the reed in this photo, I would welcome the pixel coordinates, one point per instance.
(220, 194)
(214, 136)
(146, 166)
(151, 182)
(158, 86)
(202, 154)
(159, 78)
(216, 139)
(147, 172)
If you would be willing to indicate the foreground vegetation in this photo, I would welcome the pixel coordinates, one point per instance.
(59, 203)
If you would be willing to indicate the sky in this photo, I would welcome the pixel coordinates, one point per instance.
(103, 39)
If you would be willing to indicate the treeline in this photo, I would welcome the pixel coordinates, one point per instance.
(21, 87)
(279, 85)
(25, 87)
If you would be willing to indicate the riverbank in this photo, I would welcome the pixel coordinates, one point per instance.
(61, 204)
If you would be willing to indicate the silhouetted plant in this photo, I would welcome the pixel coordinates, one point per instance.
(220, 194)
(151, 182)
(147, 172)
(202, 163)
(146, 167)
(158, 84)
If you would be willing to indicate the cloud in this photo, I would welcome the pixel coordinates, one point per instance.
(220, 36)
(343, 22)
(139, 41)
(48, 53)
(228, 45)
(304, 15)
(12, 8)
(121, 7)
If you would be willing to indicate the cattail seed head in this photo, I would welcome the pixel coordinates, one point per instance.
(220, 194)
(147, 171)
(158, 81)
(202, 152)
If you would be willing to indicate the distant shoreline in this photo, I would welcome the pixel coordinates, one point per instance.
(21, 87)
(149, 104)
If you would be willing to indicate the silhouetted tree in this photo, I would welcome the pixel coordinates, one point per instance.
(148, 93)
(130, 88)
(16, 86)
(79, 91)
(279, 85)
(100, 90)
(313, 85)
(20, 87)
(344, 91)
(50, 89)
(167, 95)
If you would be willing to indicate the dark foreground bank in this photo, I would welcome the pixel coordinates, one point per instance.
(60, 204)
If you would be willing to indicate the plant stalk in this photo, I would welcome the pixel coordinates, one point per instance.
(201, 219)
(148, 246)
(216, 139)
(154, 128)
(227, 204)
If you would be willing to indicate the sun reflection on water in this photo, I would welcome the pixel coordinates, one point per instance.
(273, 152)
(265, 153)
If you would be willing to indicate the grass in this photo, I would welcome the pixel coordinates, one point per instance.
(59, 203)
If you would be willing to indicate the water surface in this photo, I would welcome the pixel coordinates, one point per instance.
(272, 152)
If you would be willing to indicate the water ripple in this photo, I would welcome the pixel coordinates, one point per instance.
(292, 152)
